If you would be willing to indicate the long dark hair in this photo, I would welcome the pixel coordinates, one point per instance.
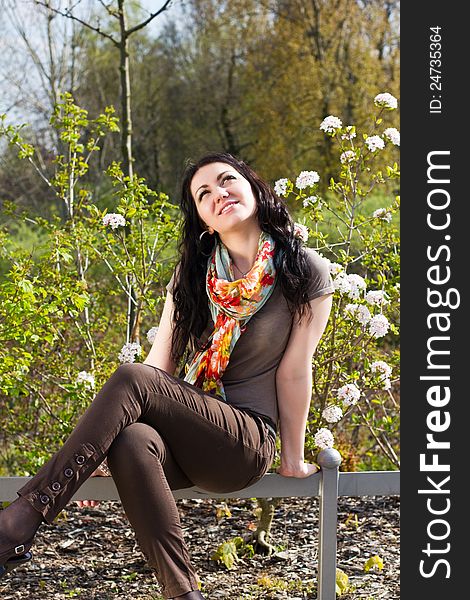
(191, 312)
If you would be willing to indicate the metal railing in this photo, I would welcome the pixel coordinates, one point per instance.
(328, 484)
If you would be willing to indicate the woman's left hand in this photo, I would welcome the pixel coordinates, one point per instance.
(300, 469)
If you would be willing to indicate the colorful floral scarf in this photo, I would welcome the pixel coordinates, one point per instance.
(232, 303)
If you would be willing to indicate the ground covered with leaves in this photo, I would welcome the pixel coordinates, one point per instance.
(91, 553)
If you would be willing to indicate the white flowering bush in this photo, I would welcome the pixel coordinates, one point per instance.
(75, 310)
(355, 374)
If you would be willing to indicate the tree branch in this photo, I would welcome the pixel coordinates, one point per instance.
(110, 12)
(147, 21)
(70, 15)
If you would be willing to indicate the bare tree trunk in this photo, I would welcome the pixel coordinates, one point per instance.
(126, 141)
(124, 70)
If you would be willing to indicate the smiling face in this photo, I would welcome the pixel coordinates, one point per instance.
(224, 198)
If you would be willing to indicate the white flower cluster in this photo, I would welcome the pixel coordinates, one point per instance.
(349, 394)
(347, 156)
(86, 379)
(350, 133)
(341, 283)
(332, 414)
(152, 334)
(386, 100)
(301, 231)
(382, 213)
(361, 312)
(307, 179)
(335, 268)
(330, 124)
(393, 135)
(376, 297)
(375, 142)
(357, 284)
(310, 200)
(352, 285)
(378, 326)
(379, 367)
(129, 351)
(280, 187)
(324, 439)
(114, 220)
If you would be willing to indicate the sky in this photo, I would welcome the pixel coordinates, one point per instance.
(19, 77)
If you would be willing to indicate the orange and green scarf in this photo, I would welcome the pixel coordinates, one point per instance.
(232, 303)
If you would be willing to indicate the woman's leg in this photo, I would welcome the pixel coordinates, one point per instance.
(145, 472)
(217, 446)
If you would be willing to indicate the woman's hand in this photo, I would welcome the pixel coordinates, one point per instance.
(99, 472)
(299, 469)
(82, 503)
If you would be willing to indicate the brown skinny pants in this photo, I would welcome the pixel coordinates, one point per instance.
(159, 434)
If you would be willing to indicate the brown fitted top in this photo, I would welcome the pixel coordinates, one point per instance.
(250, 377)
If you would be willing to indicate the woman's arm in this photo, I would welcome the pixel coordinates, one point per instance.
(294, 388)
(160, 352)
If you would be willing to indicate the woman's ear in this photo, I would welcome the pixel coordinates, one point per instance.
(204, 227)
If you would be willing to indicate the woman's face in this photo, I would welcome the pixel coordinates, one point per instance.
(223, 197)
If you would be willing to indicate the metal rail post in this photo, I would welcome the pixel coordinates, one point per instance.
(329, 461)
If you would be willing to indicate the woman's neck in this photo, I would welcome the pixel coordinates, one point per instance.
(242, 247)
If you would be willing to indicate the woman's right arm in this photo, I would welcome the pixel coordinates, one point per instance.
(160, 352)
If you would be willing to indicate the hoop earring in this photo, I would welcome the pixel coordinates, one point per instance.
(211, 235)
(205, 231)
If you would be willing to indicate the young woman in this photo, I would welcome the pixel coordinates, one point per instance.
(245, 309)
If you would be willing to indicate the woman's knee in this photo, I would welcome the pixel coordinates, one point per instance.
(131, 441)
(129, 372)
(137, 377)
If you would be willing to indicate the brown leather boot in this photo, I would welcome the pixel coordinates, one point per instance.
(18, 524)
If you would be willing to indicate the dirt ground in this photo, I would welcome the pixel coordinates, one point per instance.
(91, 554)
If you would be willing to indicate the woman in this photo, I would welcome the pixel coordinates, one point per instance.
(249, 304)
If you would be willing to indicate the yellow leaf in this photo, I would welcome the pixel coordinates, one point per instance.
(374, 562)
(342, 582)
